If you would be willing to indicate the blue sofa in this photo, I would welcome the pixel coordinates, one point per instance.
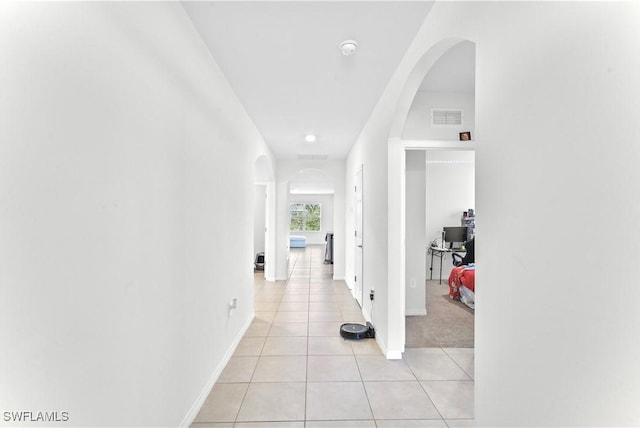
(296, 241)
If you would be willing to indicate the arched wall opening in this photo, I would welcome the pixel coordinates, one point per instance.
(549, 167)
(311, 189)
(309, 181)
(401, 285)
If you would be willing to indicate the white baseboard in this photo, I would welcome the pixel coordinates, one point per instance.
(349, 283)
(390, 354)
(393, 354)
(338, 278)
(415, 312)
(202, 397)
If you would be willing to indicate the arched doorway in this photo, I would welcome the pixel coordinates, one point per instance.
(405, 136)
(310, 207)
(322, 179)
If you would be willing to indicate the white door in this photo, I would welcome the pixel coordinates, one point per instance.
(358, 284)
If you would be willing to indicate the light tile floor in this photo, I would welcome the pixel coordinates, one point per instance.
(293, 370)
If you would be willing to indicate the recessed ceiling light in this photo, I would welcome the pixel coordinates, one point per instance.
(348, 47)
(310, 138)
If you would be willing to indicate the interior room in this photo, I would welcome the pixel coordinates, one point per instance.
(311, 193)
(139, 138)
(441, 183)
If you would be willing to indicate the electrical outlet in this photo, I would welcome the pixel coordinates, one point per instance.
(412, 283)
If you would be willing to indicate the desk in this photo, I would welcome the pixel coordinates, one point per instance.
(440, 252)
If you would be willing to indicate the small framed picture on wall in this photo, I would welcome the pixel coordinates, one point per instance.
(465, 136)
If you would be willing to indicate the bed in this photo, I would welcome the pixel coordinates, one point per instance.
(462, 284)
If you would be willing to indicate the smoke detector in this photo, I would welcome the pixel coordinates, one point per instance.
(348, 47)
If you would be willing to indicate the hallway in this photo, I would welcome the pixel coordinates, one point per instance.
(292, 368)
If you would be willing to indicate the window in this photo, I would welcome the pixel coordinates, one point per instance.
(305, 217)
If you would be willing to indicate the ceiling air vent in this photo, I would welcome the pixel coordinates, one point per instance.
(312, 157)
(446, 117)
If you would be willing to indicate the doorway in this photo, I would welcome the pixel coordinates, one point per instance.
(358, 286)
(311, 207)
(440, 187)
(260, 229)
(429, 90)
(264, 219)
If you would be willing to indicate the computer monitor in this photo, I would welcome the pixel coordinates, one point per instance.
(455, 235)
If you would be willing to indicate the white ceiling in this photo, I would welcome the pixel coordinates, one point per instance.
(283, 61)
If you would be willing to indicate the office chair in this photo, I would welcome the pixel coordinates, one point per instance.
(469, 257)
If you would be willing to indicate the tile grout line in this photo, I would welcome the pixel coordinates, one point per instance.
(306, 373)
(364, 387)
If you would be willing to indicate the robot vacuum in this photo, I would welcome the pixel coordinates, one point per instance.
(357, 331)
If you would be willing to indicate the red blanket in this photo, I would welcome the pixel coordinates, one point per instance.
(461, 275)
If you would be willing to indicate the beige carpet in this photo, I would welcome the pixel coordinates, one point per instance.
(448, 323)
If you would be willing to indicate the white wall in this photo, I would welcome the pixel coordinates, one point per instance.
(416, 240)
(327, 214)
(370, 153)
(566, 345)
(556, 112)
(450, 178)
(418, 124)
(126, 189)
